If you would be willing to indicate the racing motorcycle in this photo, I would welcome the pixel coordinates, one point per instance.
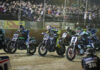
(78, 47)
(18, 42)
(50, 44)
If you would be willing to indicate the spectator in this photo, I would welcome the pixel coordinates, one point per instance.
(30, 10)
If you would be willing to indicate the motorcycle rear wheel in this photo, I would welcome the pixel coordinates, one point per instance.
(61, 51)
(12, 48)
(32, 49)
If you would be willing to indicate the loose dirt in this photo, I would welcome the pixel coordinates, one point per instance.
(20, 61)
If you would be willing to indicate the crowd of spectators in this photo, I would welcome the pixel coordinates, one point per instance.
(35, 12)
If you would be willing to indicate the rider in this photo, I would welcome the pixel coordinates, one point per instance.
(84, 31)
(91, 61)
(92, 32)
(2, 31)
(84, 35)
(51, 30)
(54, 31)
(25, 34)
(82, 39)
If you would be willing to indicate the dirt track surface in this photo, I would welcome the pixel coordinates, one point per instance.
(20, 61)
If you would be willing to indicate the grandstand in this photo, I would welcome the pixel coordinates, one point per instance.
(55, 11)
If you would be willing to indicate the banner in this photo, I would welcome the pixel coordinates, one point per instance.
(12, 24)
(1, 24)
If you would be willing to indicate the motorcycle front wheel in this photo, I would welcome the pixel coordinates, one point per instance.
(42, 49)
(5, 48)
(70, 54)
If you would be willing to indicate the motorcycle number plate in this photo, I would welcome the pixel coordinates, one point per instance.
(74, 40)
(15, 36)
(64, 35)
(45, 38)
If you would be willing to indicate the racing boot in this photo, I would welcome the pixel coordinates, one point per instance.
(28, 50)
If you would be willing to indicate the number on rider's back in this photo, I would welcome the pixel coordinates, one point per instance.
(74, 39)
(92, 65)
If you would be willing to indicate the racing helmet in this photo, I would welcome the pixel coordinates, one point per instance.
(21, 27)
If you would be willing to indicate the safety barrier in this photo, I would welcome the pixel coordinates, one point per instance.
(12, 24)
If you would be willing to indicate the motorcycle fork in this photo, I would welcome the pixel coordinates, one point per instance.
(92, 44)
(73, 50)
(45, 43)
